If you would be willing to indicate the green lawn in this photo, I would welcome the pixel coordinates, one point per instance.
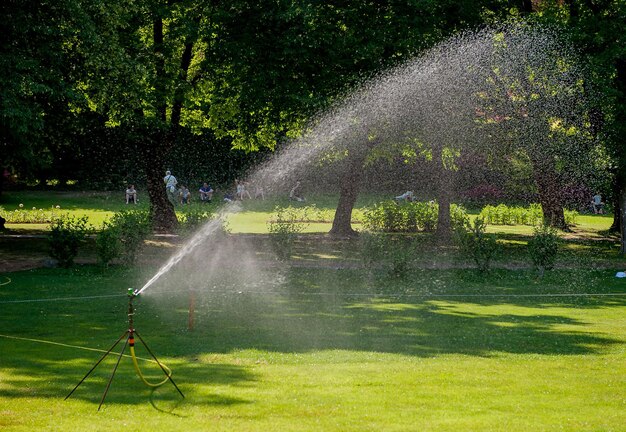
(305, 345)
(302, 349)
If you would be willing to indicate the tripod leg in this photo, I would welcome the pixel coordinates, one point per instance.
(97, 363)
(106, 390)
(169, 377)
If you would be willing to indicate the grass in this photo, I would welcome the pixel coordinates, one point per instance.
(321, 350)
(281, 347)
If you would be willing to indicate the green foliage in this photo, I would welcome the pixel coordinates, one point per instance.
(66, 234)
(284, 228)
(394, 253)
(517, 215)
(389, 216)
(131, 227)
(34, 215)
(192, 217)
(474, 241)
(108, 245)
(543, 248)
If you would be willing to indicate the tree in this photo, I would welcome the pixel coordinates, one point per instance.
(537, 109)
(38, 71)
(597, 28)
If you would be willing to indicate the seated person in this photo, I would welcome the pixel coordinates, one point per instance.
(296, 194)
(597, 204)
(206, 193)
(131, 195)
(259, 192)
(241, 190)
(407, 196)
(185, 195)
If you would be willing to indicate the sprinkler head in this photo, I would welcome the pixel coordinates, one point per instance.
(132, 293)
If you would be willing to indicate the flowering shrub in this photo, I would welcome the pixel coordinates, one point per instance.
(483, 193)
(34, 215)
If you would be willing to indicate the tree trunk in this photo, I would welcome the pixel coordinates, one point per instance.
(550, 193)
(618, 185)
(348, 193)
(161, 209)
(622, 208)
(1, 179)
(620, 150)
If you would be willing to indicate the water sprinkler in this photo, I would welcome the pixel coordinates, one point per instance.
(130, 342)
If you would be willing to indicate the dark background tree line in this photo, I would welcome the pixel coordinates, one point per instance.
(117, 91)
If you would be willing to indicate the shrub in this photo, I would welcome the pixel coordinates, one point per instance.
(34, 215)
(192, 218)
(389, 216)
(483, 193)
(108, 246)
(132, 227)
(531, 215)
(543, 248)
(284, 228)
(66, 234)
(391, 252)
(571, 216)
(474, 241)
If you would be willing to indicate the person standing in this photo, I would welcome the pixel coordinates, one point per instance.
(170, 186)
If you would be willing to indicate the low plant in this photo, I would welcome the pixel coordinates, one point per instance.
(284, 228)
(394, 253)
(389, 216)
(475, 242)
(543, 248)
(22, 214)
(192, 218)
(517, 215)
(108, 245)
(132, 227)
(66, 234)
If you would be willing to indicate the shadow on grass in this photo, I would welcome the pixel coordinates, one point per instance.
(307, 311)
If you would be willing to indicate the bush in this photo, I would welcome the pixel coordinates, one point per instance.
(34, 215)
(284, 228)
(131, 227)
(389, 216)
(393, 253)
(543, 248)
(474, 241)
(66, 234)
(192, 218)
(108, 246)
(531, 215)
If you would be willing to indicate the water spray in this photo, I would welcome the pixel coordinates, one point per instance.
(130, 342)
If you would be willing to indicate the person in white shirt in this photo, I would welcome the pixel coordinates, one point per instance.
(170, 186)
(131, 195)
(295, 194)
(407, 196)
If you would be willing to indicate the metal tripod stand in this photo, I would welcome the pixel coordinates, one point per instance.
(130, 341)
